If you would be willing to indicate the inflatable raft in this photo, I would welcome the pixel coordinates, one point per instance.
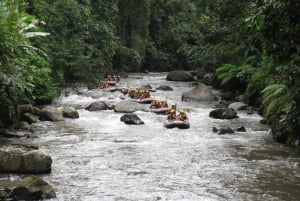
(144, 100)
(112, 83)
(177, 123)
(110, 89)
(158, 110)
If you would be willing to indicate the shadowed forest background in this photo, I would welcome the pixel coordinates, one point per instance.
(247, 47)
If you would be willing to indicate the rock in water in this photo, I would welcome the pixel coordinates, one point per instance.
(21, 160)
(199, 93)
(164, 88)
(33, 188)
(30, 118)
(241, 129)
(26, 108)
(225, 130)
(51, 115)
(70, 112)
(129, 107)
(100, 105)
(238, 106)
(223, 113)
(131, 119)
(180, 76)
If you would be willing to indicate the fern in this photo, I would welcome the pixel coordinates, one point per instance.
(277, 99)
(226, 73)
(229, 72)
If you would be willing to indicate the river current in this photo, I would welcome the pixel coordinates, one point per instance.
(98, 157)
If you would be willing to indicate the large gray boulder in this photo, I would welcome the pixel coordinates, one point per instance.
(129, 107)
(100, 105)
(30, 118)
(223, 130)
(238, 106)
(22, 125)
(36, 161)
(199, 93)
(25, 108)
(24, 160)
(164, 88)
(32, 188)
(51, 115)
(36, 111)
(70, 112)
(131, 119)
(180, 76)
(223, 113)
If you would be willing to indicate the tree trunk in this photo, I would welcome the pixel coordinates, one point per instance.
(134, 24)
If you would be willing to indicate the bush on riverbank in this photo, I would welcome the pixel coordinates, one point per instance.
(269, 74)
(25, 73)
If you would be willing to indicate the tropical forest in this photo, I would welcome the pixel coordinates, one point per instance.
(57, 54)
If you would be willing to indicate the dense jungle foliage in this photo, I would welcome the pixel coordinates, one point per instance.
(252, 46)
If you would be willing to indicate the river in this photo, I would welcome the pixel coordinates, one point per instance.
(97, 157)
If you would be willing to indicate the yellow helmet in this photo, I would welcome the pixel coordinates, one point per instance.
(181, 111)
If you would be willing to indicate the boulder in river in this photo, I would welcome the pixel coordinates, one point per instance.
(30, 118)
(180, 76)
(164, 88)
(70, 112)
(225, 130)
(25, 108)
(51, 115)
(36, 111)
(23, 159)
(100, 105)
(199, 93)
(22, 125)
(241, 129)
(238, 106)
(32, 188)
(131, 119)
(129, 107)
(147, 87)
(223, 113)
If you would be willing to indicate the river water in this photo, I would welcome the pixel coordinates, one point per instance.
(97, 157)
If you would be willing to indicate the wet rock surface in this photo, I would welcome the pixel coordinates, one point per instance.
(129, 107)
(131, 119)
(18, 157)
(27, 188)
(200, 93)
(223, 113)
(100, 105)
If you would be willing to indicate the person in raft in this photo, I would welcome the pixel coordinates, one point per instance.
(182, 115)
(154, 104)
(108, 78)
(173, 107)
(164, 104)
(172, 115)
